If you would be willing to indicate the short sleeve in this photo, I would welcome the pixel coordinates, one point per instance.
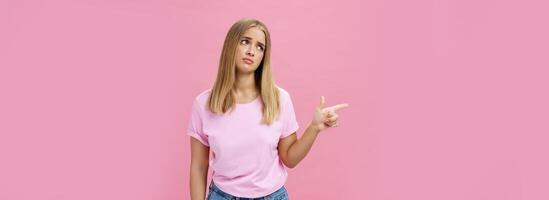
(288, 116)
(195, 128)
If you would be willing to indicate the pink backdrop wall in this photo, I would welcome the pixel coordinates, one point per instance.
(448, 98)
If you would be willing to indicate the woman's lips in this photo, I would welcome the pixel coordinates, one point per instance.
(248, 61)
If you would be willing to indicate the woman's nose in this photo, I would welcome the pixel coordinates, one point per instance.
(250, 51)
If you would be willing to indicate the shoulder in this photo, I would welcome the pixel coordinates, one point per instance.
(282, 91)
(202, 97)
(284, 95)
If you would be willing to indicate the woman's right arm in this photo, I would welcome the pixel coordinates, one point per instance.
(200, 154)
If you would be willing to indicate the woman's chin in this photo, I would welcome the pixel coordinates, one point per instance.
(246, 69)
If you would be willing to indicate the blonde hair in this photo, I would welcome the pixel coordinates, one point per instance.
(221, 98)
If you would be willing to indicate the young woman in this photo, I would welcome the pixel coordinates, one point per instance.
(248, 123)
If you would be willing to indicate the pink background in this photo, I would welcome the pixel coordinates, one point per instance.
(448, 98)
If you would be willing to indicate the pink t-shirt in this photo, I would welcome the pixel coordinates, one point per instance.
(244, 159)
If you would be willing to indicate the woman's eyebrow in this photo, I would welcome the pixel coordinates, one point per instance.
(249, 38)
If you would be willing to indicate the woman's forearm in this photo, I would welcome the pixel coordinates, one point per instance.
(198, 181)
(301, 147)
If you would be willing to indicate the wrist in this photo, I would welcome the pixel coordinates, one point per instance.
(314, 127)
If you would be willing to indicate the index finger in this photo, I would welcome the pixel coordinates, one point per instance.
(339, 106)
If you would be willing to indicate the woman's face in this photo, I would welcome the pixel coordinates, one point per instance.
(249, 51)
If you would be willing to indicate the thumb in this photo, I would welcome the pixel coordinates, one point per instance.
(322, 101)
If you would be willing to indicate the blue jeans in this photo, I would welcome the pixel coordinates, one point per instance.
(216, 194)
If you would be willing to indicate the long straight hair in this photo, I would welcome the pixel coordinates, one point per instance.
(221, 98)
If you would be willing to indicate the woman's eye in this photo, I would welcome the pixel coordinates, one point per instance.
(244, 42)
(260, 48)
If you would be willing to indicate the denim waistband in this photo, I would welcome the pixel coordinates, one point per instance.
(214, 188)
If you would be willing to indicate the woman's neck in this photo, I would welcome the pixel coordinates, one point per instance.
(245, 85)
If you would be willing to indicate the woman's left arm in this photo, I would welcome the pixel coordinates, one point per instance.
(292, 150)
